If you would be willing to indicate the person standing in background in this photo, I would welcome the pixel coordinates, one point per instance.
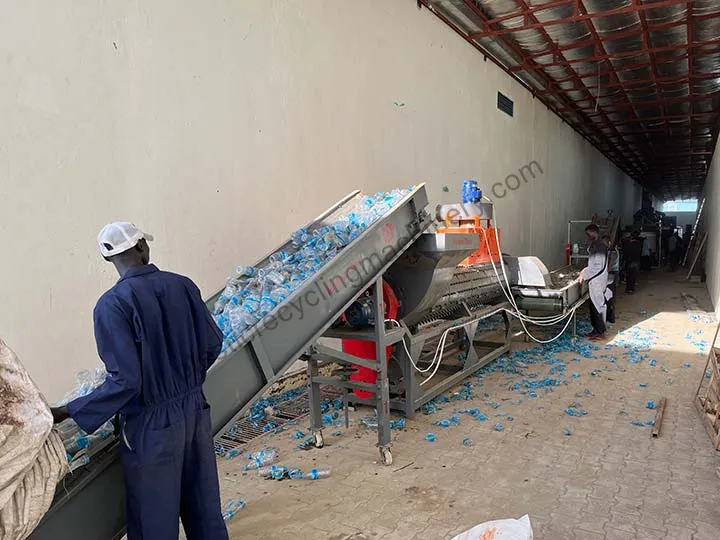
(673, 250)
(596, 276)
(613, 275)
(646, 254)
(632, 252)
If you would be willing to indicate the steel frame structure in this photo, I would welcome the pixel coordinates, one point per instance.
(646, 93)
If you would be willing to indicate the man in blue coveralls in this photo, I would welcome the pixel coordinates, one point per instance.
(157, 341)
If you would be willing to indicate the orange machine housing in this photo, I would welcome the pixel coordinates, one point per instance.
(489, 250)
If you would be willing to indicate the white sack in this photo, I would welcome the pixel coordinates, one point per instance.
(32, 457)
(502, 529)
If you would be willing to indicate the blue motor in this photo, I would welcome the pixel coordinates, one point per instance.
(470, 192)
(361, 313)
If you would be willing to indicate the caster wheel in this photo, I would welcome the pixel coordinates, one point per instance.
(319, 441)
(386, 456)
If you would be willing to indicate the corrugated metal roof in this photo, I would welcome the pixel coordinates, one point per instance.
(638, 79)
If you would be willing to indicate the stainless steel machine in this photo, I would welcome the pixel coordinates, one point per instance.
(536, 290)
(396, 261)
(440, 308)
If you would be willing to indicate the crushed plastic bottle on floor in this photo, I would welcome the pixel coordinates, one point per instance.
(261, 458)
(232, 508)
(276, 472)
(316, 474)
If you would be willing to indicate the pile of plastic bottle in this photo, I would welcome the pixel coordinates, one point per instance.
(253, 292)
(78, 444)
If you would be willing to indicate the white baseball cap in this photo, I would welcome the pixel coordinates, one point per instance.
(118, 237)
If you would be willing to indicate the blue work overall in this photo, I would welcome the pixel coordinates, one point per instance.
(157, 340)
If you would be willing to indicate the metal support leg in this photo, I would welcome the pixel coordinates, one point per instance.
(472, 358)
(508, 327)
(346, 406)
(574, 325)
(314, 400)
(410, 375)
(383, 390)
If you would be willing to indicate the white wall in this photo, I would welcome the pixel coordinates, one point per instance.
(711, 213)
(221, 127)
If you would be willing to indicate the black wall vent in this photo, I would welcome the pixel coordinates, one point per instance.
(505, 104)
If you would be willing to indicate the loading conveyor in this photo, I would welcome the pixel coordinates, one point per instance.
(90, 504)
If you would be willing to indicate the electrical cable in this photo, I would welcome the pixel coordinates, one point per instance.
(516, 313)
(538, 321)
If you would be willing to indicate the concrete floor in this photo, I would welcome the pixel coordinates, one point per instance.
(608, 480)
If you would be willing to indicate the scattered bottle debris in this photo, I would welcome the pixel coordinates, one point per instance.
(261, 458)
(232, 508)
(475, 413)
(276, 472)
(315, 474)
(307, 444)
(397, 424)
(232, 453)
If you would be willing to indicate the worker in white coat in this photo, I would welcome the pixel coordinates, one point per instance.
(596, 275)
